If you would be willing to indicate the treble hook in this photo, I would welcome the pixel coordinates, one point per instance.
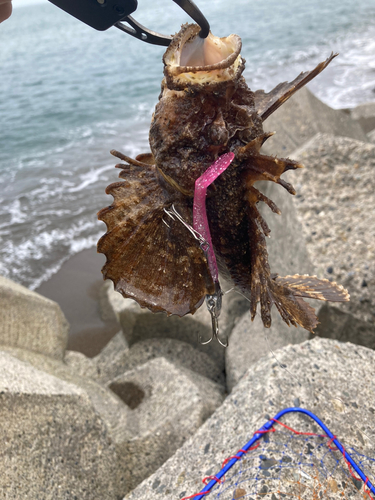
(214, 301)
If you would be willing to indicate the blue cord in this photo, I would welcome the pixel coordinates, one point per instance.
(266, 427)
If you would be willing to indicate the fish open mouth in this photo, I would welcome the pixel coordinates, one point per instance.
(191, 60)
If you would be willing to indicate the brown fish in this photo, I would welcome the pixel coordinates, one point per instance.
(205, 109)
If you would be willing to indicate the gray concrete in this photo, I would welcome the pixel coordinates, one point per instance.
(371, 136)
(113, 412)
(250, 341)
(81, 365)
(169, 405)
(139, 324)
(54, 445)
(320, 375)
(148, 411)
(337, 323)
(31, 321)
(302, 117)
(177, 352)
(364, 114)
(335, 203)
(286, 245)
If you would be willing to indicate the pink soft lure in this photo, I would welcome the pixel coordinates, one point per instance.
(200, 220)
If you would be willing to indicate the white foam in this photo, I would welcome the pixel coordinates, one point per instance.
(16, 213)
(89, 178)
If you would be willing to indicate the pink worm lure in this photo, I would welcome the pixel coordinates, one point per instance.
(200, 221)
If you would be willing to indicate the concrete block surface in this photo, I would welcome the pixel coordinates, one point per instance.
(30, 321)
(54, 444)
(177, 352)
(335, 204)
(168, 405)
(320, 375)
(251, 341)
(364, 114)
(303, 116)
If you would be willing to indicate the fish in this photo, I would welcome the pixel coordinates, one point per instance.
(154, 253)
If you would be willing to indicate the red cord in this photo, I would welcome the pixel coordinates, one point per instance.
(211, 478)
(195, 495)
(258, 444)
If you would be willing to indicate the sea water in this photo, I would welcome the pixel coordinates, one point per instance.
(70, 94)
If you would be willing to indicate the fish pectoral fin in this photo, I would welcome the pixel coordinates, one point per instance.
(267, 103)
(287, 292)
(313, 288)
(150, 257)
(268, 291)
(292, 308)
(269, 168)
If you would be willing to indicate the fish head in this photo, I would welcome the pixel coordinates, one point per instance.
(189, 129)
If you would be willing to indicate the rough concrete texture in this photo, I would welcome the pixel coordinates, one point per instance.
(139, 324)
(320, 375)
(115, 414)
(364, 114)
(31, 321)
(54, 446)
(250, 341)
(110, 363)
(177, 352)
(371, 136)
(335, 203)
(303, 116)
(81, 365)
(169, 405)
(286, 245)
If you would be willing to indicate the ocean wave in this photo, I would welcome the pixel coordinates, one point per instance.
(32, 261)
(89, 178)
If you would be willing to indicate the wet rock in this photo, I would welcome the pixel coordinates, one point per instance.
(30, 321)
(54, 443)
(323, 374)
(168, 405)
(303, 116)
(336, 210)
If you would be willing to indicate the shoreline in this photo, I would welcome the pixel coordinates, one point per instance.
(76, 288)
